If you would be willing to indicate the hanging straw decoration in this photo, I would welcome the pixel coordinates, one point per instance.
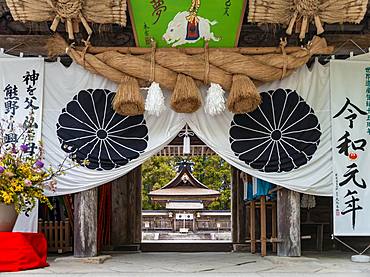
(154, 103)
(244, 96)
(70, 12)
(301, 13)
(128, 99)
(186, 96)
(178, 69)
(215, 100)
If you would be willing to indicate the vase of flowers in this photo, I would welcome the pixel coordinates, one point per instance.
(23, 174)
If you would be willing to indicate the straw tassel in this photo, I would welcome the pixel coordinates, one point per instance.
(128, 99)
(289, 30)
(304, 27)
(154, 103)
(215, 100)
(186, 96)
(318, 24)
(244, 96)
(55, 23)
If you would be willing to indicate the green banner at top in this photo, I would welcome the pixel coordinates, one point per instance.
(187, 23)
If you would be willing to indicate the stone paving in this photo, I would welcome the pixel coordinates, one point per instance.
(205, 264)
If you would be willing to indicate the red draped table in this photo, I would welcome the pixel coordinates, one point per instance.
(21, 251)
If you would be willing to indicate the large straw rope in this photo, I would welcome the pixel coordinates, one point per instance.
(220, 67)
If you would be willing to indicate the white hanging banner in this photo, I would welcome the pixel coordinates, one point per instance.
(22, 87)
(350, 115)
(22, 84)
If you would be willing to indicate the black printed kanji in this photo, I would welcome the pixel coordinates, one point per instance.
(30, 90)
(29, 102)
(11, 92)
(31, 77)
(346, 143)
(352, 116)
(11, 106)
(352, 207)
(10, 138)
(350, 175)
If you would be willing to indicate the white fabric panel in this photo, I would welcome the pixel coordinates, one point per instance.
(24, 223)
(312, 178)
(61, 85)
(312, 85)
(351, 158)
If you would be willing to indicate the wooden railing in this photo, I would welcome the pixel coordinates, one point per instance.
(58, 235)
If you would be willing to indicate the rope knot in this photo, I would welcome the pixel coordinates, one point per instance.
(68, 8)
(283, 43)
(307, 7)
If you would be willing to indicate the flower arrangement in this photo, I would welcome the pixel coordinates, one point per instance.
(23, 174)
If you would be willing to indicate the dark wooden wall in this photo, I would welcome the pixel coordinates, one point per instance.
(126, 211)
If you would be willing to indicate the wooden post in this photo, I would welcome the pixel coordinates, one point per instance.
(238, 212)
(252, 228)
(234, 205)
(242, 211)
(288, 218)
(126, 210)
(85, 223)
(263, 225)
(273, 227)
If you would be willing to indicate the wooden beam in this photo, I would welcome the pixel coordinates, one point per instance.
(288, 218)
(35, 45)
(85, 223)
(30, 45)
(344, 45)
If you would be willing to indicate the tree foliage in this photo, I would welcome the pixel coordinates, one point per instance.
(212, 171)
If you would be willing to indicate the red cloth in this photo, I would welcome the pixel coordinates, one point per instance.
(20, 251)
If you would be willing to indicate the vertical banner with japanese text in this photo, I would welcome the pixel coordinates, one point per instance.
(350, 113)
(22, 82)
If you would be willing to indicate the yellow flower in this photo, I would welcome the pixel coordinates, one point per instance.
(7, 198)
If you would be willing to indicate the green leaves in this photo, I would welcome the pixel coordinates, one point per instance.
(212, 171)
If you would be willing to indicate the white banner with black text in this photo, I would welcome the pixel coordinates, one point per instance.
(22, 87)
(350, 115)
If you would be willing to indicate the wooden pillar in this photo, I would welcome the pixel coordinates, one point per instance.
(288, 218)
(126, 210)
(252, 228)
(273, 227)
(238, 211)
(263, 225)
(234, 206)
(85, 223)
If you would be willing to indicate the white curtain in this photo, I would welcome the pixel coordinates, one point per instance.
(305, 168)
(314, 177)
(61, 85)
(309, 172)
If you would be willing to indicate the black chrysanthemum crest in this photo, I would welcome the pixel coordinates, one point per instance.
(89, 129)
(282, 134)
